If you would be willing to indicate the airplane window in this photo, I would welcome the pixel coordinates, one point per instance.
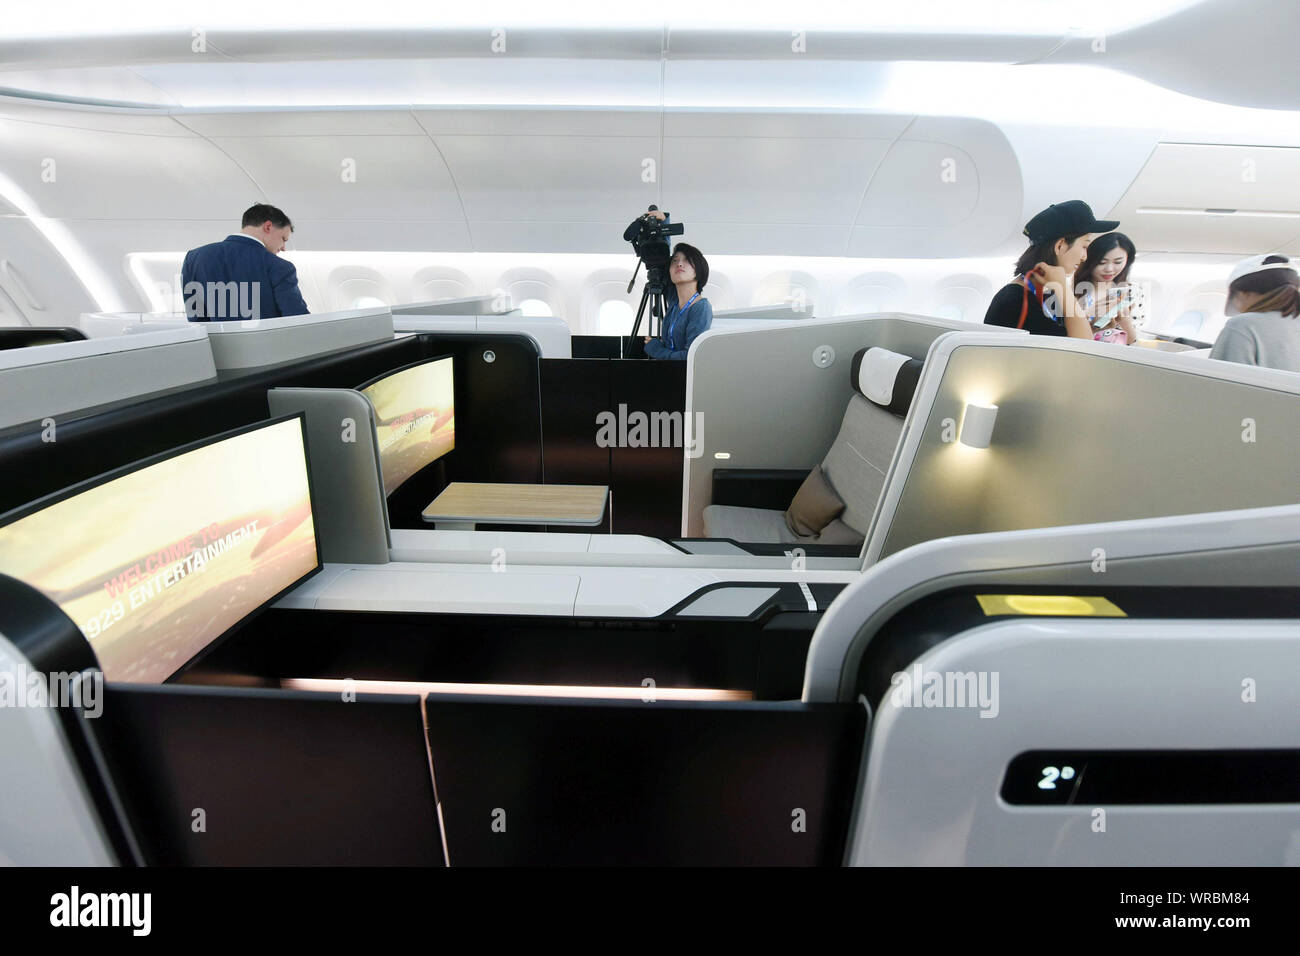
(367, 302)
(535, 307)
(442, 288)
(873, 292)
(796, 290)
(963, 295)
(1187, 324)
(793, 296)
(615, 317)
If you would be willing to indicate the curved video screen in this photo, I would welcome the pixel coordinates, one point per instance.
(415, 417)
(156, 563)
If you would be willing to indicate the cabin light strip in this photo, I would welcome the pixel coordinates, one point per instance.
(1240, 213)
(585, 691)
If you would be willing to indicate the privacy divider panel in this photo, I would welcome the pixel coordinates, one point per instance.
(574, 392)
(553, 782)
(1071, 444)
(93, 441)
(644, 480)
(222, 776)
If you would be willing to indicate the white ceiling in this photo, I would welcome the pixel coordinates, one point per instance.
(1229, 51)
(1260, 186)
(530, 180)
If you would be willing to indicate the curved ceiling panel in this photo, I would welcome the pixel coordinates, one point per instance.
(541, 178)
(1240, 52)
(528, 180)
(151, 122)
(375, 235)
(482, 80)
(90, 174)
(950, 187)
(935, 183)
(114, 84)
(1214, 198)
(131, 58)
(632, 121)
(769, 181)
(349, 177)
(370, 122)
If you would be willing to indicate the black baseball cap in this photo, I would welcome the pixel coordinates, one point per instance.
(1066, 219)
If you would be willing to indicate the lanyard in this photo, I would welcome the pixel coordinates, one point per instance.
(672, 326)
(1038, 294)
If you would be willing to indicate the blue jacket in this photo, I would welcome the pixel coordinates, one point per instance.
(677, 332)
(266, 286)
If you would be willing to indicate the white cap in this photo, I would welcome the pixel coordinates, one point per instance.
(1256, 264)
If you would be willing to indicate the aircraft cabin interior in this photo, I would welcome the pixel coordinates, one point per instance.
(349, 432)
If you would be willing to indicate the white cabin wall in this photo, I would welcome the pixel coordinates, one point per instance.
(576, 285)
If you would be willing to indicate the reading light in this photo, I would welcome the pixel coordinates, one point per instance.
(977, 424)
(1048, 605)
(722, 455)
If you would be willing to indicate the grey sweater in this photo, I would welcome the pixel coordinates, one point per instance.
(1269, 339)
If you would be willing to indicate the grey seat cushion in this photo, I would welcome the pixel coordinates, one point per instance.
(857, 461)
(768, 527)
(854, 467)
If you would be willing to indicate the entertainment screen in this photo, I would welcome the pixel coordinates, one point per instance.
(415, 417)
(156, 561)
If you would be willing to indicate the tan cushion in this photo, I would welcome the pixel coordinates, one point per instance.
(837, 532)
(815, 505)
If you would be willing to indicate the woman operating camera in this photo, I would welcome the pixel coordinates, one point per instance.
(687, 313)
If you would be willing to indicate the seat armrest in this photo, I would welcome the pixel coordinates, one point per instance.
(771, 488)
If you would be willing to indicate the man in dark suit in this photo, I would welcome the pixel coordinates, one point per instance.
(242, 277)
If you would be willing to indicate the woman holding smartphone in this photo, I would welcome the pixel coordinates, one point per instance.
(1041, 298)
(1113, 305)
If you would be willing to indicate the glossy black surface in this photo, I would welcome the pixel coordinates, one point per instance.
(1152, 777)
(645, 481)
(26, 337)
(278, 778)
(763, 653)
(771, 488)
(560, 783)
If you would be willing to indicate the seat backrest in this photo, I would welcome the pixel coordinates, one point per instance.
(859, 458)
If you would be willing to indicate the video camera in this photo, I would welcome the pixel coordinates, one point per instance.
(649, 238)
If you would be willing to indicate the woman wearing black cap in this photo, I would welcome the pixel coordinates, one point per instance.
(1041, 298)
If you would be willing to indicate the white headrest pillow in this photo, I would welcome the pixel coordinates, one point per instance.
(878, 372)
